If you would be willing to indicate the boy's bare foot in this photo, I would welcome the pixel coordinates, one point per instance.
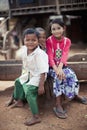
(10, 102)
(18, 103)
(33, 121)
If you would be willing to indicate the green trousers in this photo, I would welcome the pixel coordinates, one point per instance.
(27, 92)
(18, 91)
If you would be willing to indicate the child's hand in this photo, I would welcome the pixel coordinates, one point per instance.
(41, 90)
(60, 74)
(41, 84)
(59, 71)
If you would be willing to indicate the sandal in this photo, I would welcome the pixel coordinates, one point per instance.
(60, 114)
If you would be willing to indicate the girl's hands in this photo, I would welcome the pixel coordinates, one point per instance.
(59, 72)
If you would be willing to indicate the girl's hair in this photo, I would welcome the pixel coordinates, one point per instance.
(30, 31)
(58, 21)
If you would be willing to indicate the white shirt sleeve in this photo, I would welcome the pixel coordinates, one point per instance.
(42, 62)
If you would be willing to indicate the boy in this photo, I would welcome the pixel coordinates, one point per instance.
(31, 83)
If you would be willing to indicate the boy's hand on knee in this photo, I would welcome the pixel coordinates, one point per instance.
(41, 90)
(41, 84)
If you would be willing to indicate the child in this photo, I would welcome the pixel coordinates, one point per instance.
(31, 82)
(42, 38)
(65, 80)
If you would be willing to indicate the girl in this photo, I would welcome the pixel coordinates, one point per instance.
(65, 80)
(31, 82)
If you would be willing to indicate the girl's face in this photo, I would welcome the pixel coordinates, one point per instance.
(57, 30)
(31, 42)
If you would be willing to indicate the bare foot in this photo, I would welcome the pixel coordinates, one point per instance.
(10, 102)
(33, 121)
(18, 103)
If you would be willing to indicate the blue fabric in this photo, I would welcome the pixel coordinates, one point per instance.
(69, 87)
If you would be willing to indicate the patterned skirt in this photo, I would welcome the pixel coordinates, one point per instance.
(69, 87)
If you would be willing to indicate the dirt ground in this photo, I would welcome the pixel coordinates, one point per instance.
(13, 119)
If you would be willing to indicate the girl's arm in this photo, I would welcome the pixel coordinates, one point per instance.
(58, 70)
(63, 60)
(49, 50)
(66, 51)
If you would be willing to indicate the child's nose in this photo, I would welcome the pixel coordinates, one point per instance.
(57, 30)
(30, 42)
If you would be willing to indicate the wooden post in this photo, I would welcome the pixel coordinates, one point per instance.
(57, 7)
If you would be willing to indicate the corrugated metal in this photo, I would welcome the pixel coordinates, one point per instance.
(4, 6)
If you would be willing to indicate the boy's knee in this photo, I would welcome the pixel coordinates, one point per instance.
(28, 92)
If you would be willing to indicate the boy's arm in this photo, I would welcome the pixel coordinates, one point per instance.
(41, 84)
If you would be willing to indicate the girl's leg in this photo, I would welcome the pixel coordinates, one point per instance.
(31, 96)
(58, 110)
(81, 99)
(59, 103)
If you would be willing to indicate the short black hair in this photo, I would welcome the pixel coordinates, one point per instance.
(30, 31)
(40, 29)
(58, 21)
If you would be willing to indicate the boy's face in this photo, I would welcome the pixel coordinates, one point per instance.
(31, 42)
(57, 30)
(42, 38)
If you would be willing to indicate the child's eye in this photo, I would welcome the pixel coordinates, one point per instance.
(58, 28)
(53, 29)
(33, 40)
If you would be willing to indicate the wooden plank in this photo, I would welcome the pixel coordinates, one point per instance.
(10, 69)
(80, 69)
